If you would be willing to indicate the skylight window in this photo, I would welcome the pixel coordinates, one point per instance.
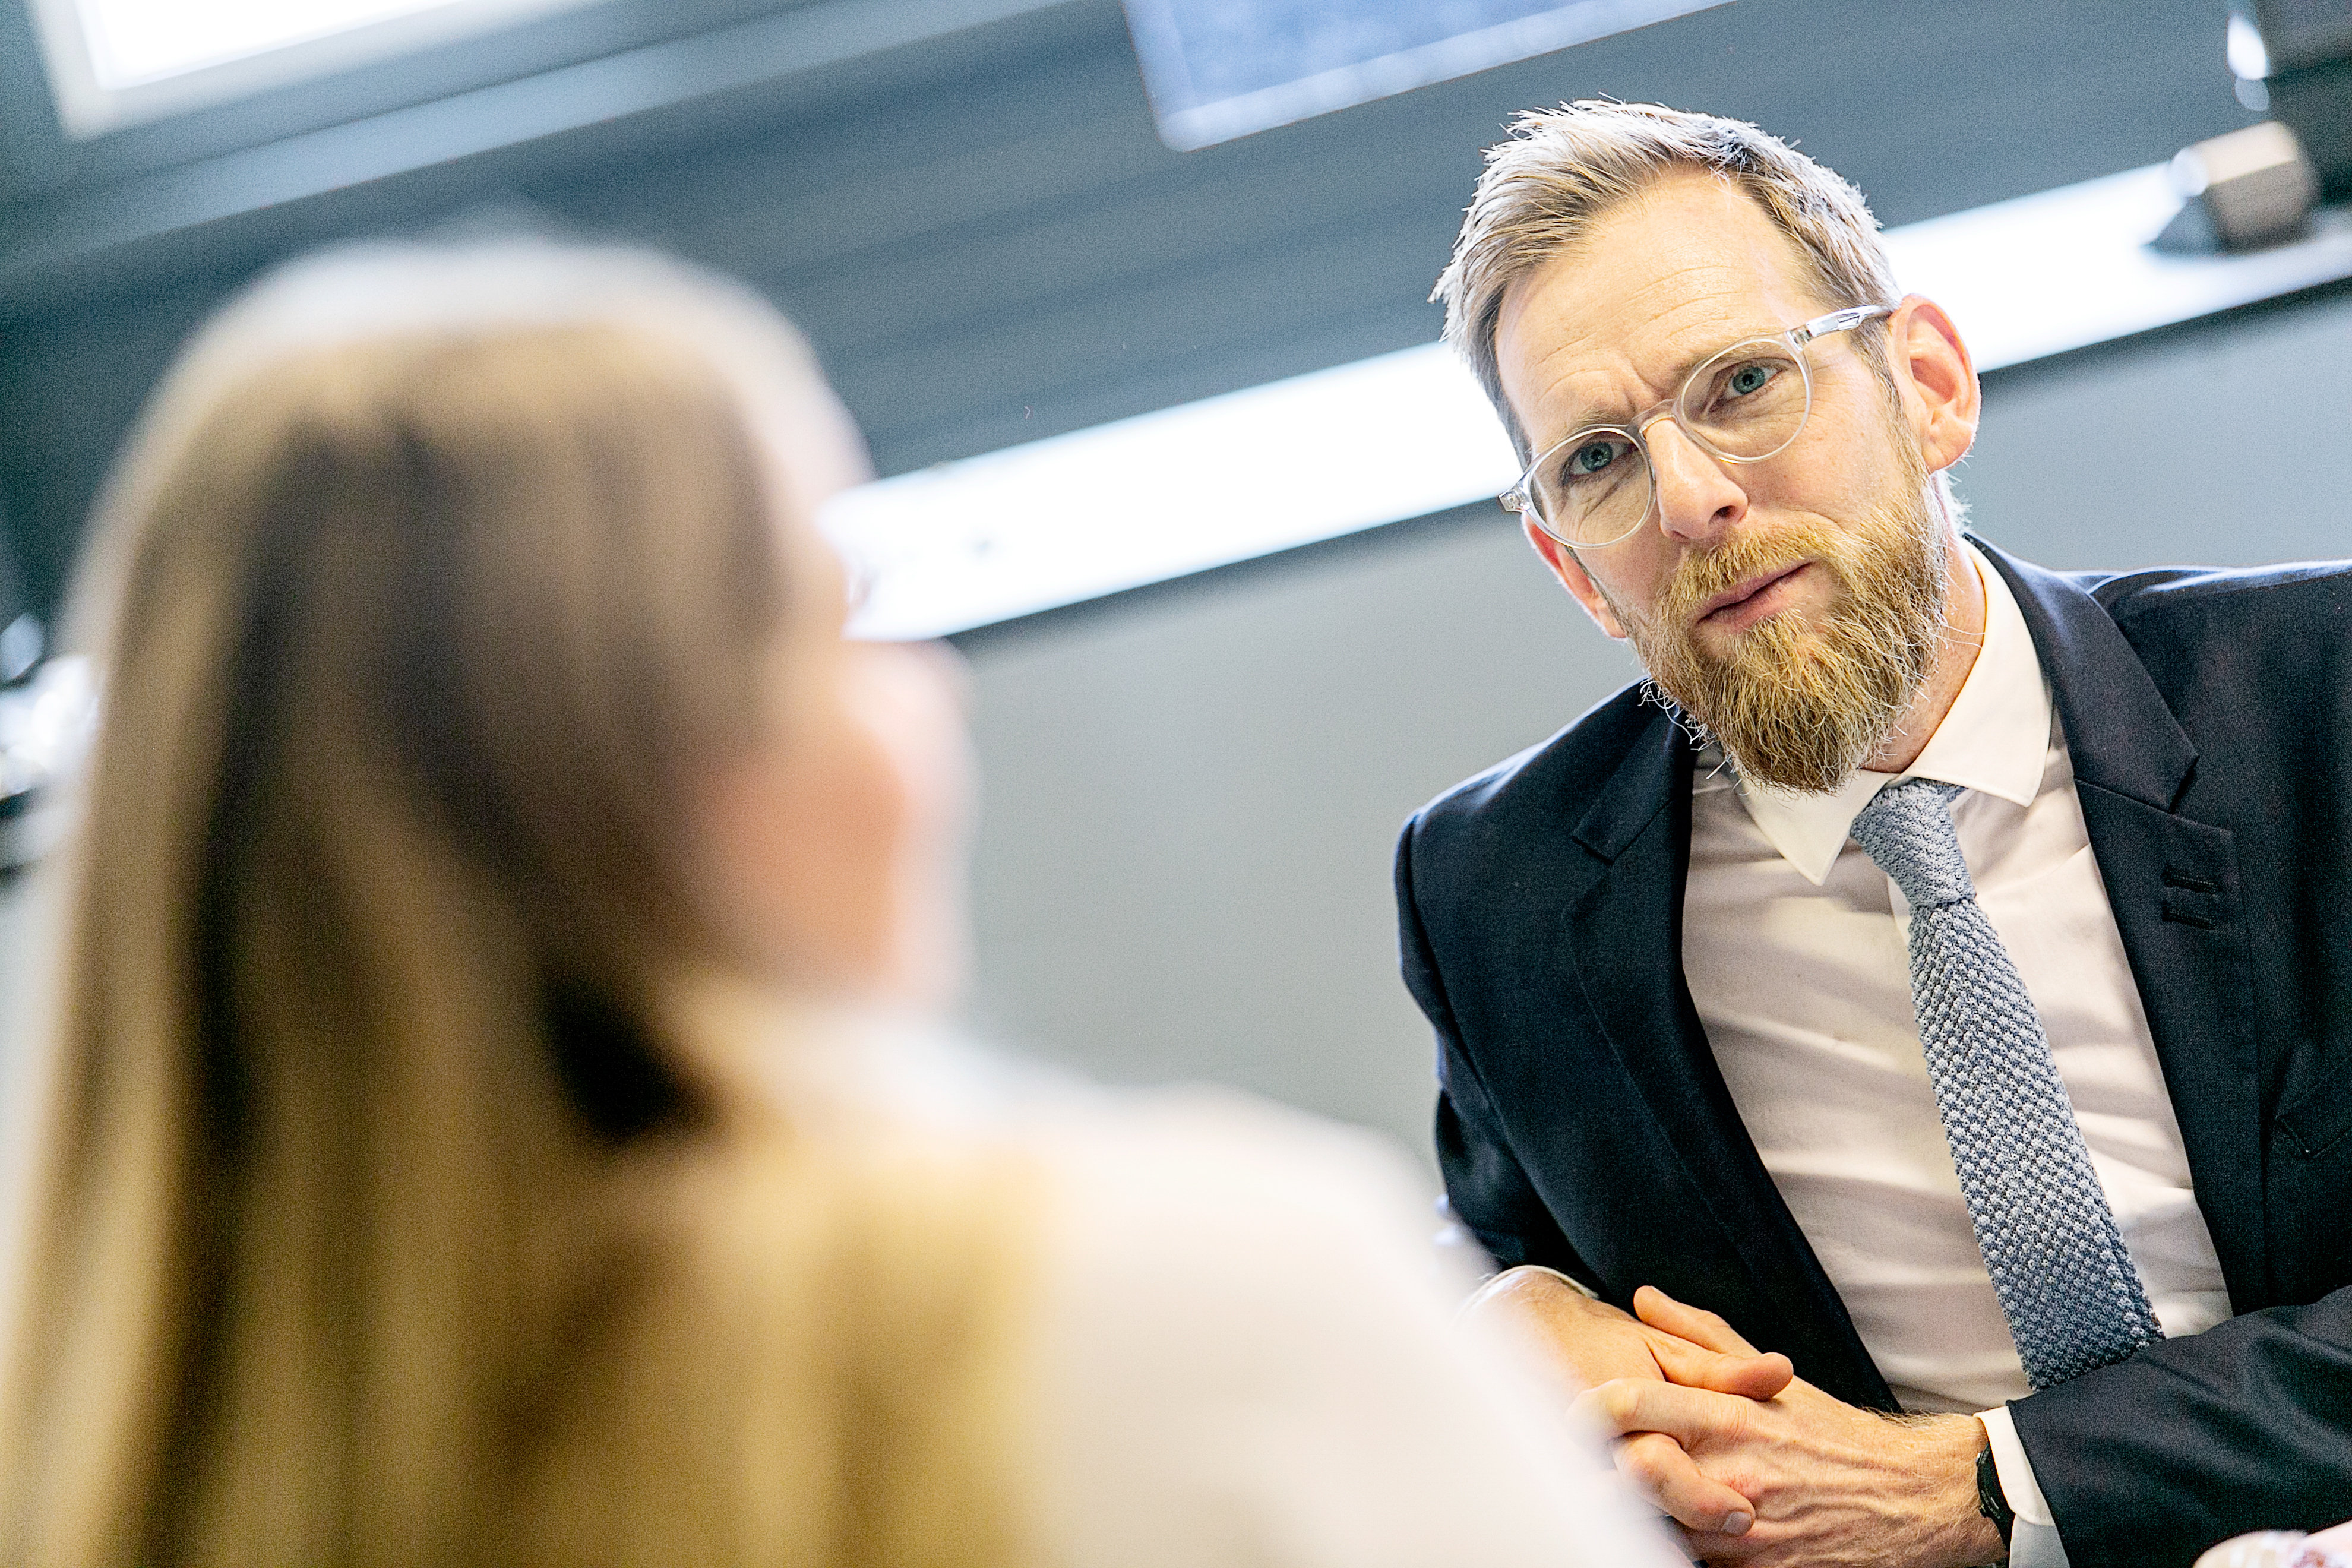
(115, 62)
(1221, 68)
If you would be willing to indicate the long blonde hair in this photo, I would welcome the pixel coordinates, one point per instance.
(379, 1217)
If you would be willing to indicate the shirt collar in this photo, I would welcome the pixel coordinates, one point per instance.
(1995, 738)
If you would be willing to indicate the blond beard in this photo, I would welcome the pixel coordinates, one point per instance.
(1796, 705)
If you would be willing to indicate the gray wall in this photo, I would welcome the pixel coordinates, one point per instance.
(15, 954)
(1182, 868)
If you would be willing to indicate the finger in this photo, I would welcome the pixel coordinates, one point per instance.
(1701, 1327)
(1666, 1476)
(1691, 1417)
(1749, 1376)
(1715, 1550)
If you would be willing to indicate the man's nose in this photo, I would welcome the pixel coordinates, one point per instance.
(1696, 499)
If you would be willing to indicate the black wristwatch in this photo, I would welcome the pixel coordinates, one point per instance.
(1992, 1501)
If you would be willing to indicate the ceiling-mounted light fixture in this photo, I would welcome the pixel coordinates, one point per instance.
(1221, 68)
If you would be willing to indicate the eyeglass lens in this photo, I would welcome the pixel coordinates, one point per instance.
(1745, 403)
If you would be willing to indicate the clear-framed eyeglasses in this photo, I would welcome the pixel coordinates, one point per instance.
(1743, 404)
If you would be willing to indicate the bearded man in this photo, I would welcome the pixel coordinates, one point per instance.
(1937, 972)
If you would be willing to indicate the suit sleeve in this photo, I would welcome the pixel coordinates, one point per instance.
(1485, 1187)
(2245, 1426)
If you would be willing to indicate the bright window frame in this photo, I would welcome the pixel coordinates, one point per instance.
(97, 90)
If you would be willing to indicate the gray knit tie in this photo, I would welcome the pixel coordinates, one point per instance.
(2068, 1288)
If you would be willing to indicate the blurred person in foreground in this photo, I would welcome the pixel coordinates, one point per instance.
(472, 1132)
(1940, 968)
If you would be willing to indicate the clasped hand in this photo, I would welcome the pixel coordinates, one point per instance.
(1753, 1464)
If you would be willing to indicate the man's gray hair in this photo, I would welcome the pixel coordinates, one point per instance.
(1562, 169)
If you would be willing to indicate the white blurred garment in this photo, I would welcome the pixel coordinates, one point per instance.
(1244, 1355)
(1251, 1361)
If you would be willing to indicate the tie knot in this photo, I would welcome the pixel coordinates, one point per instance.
(1907, 830)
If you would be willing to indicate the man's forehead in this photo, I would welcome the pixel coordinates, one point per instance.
(1658, 284)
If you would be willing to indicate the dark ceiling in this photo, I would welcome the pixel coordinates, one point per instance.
(989, 244)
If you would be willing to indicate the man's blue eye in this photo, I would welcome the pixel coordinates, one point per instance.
(1749, 378)
(1590, 459)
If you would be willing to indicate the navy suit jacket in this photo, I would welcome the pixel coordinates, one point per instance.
(1583, 1121)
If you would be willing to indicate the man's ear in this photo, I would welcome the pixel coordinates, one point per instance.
(1938, 381)
(1572, 576)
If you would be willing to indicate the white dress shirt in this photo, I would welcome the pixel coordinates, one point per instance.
(1793, 948)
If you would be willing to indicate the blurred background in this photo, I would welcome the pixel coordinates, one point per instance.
(1192, 787)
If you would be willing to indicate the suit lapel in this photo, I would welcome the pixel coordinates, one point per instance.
(1623, 944)
(2172, 883)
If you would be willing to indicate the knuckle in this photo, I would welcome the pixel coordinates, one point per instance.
(1649, 1459)
(1620, 1401)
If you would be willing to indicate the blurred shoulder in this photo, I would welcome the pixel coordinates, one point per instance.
(1231, 1340)
(1245, 1353)
(1220, 1153)
(1177, 1164)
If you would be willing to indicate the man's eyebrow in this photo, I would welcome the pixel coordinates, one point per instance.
(1587, 419)
(1583, 417)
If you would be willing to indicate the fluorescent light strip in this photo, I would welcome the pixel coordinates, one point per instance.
(1164, 494)
(1408, 434)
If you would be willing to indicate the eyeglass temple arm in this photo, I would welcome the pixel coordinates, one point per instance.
(1838, 322)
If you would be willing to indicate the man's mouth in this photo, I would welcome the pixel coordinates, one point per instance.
(1739, 607)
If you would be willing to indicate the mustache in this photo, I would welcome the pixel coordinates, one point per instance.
(1698, 578)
